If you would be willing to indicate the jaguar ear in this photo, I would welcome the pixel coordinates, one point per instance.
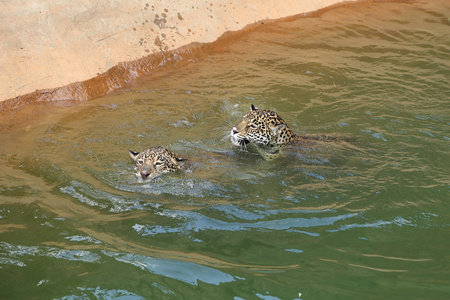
(133, 154)
(253, 107)
(180, 161)
(276, 129)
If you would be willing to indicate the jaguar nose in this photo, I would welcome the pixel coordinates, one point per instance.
(145, 174)
(235, 131)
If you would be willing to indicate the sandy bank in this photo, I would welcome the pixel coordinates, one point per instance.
(49, 44)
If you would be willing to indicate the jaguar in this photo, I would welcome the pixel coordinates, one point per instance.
(267, 130)
(155, 161)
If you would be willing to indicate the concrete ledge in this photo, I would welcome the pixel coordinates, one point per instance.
(54, 43)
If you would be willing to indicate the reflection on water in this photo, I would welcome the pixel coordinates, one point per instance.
(184, 271)
(340, 220)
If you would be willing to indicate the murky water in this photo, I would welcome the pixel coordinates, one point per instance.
(361, 220)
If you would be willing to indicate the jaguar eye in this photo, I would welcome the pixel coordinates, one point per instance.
(253, 126)
(140, 162)
(158, 163)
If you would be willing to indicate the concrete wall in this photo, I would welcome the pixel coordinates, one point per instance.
(52, 43)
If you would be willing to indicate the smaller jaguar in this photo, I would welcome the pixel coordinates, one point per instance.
(155, 161)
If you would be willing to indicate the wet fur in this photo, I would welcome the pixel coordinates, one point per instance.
(153, 162)
(269, 132)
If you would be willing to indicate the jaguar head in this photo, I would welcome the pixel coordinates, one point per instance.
(261, 127)
(153, 162)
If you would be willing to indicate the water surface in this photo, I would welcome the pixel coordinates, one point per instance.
(360, 220)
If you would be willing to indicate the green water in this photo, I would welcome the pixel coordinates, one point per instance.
(363, 220)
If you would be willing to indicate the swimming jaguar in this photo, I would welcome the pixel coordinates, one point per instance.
(266, 129)
(155, 161)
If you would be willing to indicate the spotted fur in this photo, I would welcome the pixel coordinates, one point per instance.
(262, 127)
(153, 162)
(267, 129)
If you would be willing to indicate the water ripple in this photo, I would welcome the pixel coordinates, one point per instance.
(185, 271)
(196, 222)
(37, 251)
